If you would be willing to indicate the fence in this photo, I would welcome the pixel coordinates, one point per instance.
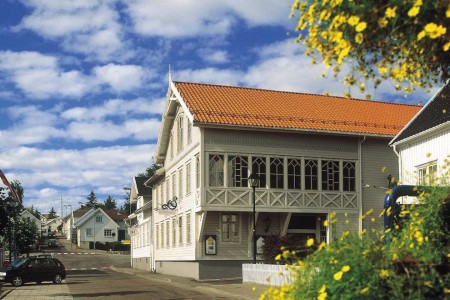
(274, 275)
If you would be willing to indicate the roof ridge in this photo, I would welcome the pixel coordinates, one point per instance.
(296, 93)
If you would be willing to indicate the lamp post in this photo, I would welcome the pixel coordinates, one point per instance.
(71, 224)
(254, 182)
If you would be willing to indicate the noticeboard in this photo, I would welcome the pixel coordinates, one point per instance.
(210, 245)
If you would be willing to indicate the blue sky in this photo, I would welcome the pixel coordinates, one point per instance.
(82, 83)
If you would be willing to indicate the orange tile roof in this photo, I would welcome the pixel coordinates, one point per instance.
(238, 106)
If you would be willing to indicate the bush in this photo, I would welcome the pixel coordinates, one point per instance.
(403, 263)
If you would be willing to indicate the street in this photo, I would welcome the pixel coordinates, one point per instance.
(100, 275)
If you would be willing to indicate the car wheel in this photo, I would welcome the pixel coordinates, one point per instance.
(57, 279)
(17, 281)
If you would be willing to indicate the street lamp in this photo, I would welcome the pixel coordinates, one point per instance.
(71, 224)
(254, 182)
(128, 191)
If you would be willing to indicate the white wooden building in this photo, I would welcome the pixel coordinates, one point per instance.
(314, 155)
(423, 145)
(140, 222)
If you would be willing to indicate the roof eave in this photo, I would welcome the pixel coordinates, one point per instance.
(284, 129)
(420, 134)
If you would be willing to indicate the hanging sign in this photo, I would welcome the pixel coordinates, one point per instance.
(210, 245)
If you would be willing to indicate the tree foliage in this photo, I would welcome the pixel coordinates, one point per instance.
(403, 41)
(92, 200)
(52, 213)
(110, 203)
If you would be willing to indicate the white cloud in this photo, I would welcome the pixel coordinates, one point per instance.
(120, 77)
(210, 75)
(214, 56)
(40, 76)
(181, 19)
(48, 175)
(86, 26)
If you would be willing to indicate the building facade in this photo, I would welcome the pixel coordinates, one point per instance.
(423, 146)
(313, 154)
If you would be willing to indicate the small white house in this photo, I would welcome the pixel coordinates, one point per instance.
(95, 226)
(141, 225)
(423, 145)
(26, 215)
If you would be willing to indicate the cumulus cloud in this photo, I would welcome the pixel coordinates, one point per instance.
(40, 76)
(181, 19)
(47, 175)
(89, 27)
(214, 56)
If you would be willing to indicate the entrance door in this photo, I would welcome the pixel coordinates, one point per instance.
(308, 226)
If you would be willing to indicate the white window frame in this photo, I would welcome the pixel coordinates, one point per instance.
(157, 236)
(189, 131)
(427, 173)
(180, 128)
(180, 182)
(97, 218)
(331, 178)
(216, 170)
(294, 176)
(278, 164)
(188, 178)
(180, 230)
(237, 171)
(197, 171)
(108, 232)
(89, 230)
(188, 228)
(226, 228)
(347, 176)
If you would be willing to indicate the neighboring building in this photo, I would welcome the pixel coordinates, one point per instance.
(69, 220)
(26, 215)
(99, 226)
(141, 225)
(314, 155)
(53, 224)
(423, 145)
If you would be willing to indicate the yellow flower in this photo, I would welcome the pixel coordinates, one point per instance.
(434, 30)
(361, 26)
(382, 22)
(382, 71)
(359, 38)
(384, 274)
(390, 12)
(322, 245)
(369, 212)
(414, 11)
(322, 296)
(446, 290)
(345, 269)
(353, 20)
(421, 35)
(332, 214)
(310, 242)
(418, 3)
(446, 46)
(323, 289)
(447, 13)
(338, 276)
(278, 257)
(325, 223)
(364, 290)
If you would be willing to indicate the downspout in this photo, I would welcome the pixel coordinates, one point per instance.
(360, 181)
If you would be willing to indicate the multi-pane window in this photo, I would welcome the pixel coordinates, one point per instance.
(167, 191)
(311, 175)
(330, 175)
(216, 170)
(167, 233)
(162, 194)
(189, 131)
(188, 179)
(188, 228)
(276, 173)
(197, 171)
(294, 170)
(230, 227)
(98, 219)
(180, 133)
(162, 235)
(349, 176)
(259, 167)
(108, 232)
(157, 236)
(180, 230)
(88, 231)
(237, 171)
(427, 173)
(174, 232)
(180, 182)
(174, 184)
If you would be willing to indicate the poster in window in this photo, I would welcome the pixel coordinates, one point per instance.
(210, 245)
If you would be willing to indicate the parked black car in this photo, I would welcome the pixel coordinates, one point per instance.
(36, 269)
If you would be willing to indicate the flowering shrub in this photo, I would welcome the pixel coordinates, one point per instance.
(399, 263)
(405, 41)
